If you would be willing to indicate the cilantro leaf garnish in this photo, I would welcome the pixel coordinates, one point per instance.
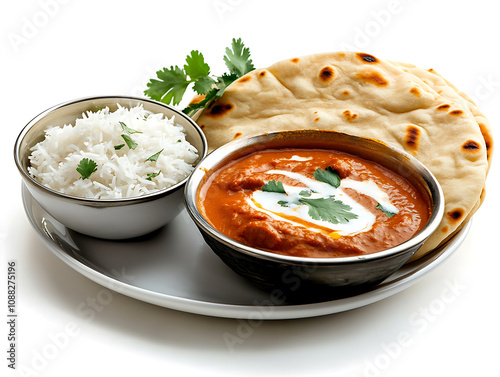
(118, 147)
(238, 59)
(154, 157)
(86, 167)
(130, 143)
(329, 175)
(329, 209)
(387, 213)
(129, 130)
(170, 86)
(305, 193)
(152, 175)
(198, 72)
(274, 186)
(195, 66)
(173, 82)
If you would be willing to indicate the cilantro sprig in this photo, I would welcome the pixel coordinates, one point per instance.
(86, 167)
(153, 175)
(329, 175)
(154, 157)
(171, 83)
(128, 129)
(128, 140)
(130, 143)
(327, 209)
(274, 186)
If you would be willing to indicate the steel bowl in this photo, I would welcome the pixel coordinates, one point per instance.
(105, 218)
(311, 279)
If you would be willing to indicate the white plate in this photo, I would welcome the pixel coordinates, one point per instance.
(174, 268)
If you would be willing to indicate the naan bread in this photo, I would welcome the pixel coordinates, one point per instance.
(446, 89)
(452, 93)
(362, 95)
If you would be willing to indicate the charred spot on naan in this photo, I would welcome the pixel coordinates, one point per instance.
(372, 77)
(456, 112)
(412, 137)
(471, 146)
(455, 216)
(366, 58)
(245, 78)
(294, 60)
(416, 91)
(326, 74)
(217, 110)
(350, 117)
(443, 107)
(262, 74)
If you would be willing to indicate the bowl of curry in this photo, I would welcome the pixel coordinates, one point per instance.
(313, 214)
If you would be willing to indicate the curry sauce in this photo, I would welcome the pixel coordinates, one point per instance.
(312, 203)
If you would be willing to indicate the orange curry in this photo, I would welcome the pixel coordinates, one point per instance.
(312, 203)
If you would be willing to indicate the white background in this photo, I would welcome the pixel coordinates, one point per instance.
(53, 51)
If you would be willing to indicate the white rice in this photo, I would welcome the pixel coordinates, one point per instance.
(120, 173)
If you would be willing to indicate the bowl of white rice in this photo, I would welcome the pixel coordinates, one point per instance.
(112, 167)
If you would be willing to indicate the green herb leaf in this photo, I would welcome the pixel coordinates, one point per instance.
(170, 87)
(118, 147)
(329, 209)
(130, 143)
(154, 157)
(152, 175)
(172, 83)
(129, 130)
(283, 203)
(237, 58)
(198, 72)
(388, 213)
(328, 176)
(203, 85)
(86, 167)
(305, 193)
(195, 66)
(213, 94)
(274, 186)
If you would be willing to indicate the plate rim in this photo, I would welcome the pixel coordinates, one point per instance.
(240, 311)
